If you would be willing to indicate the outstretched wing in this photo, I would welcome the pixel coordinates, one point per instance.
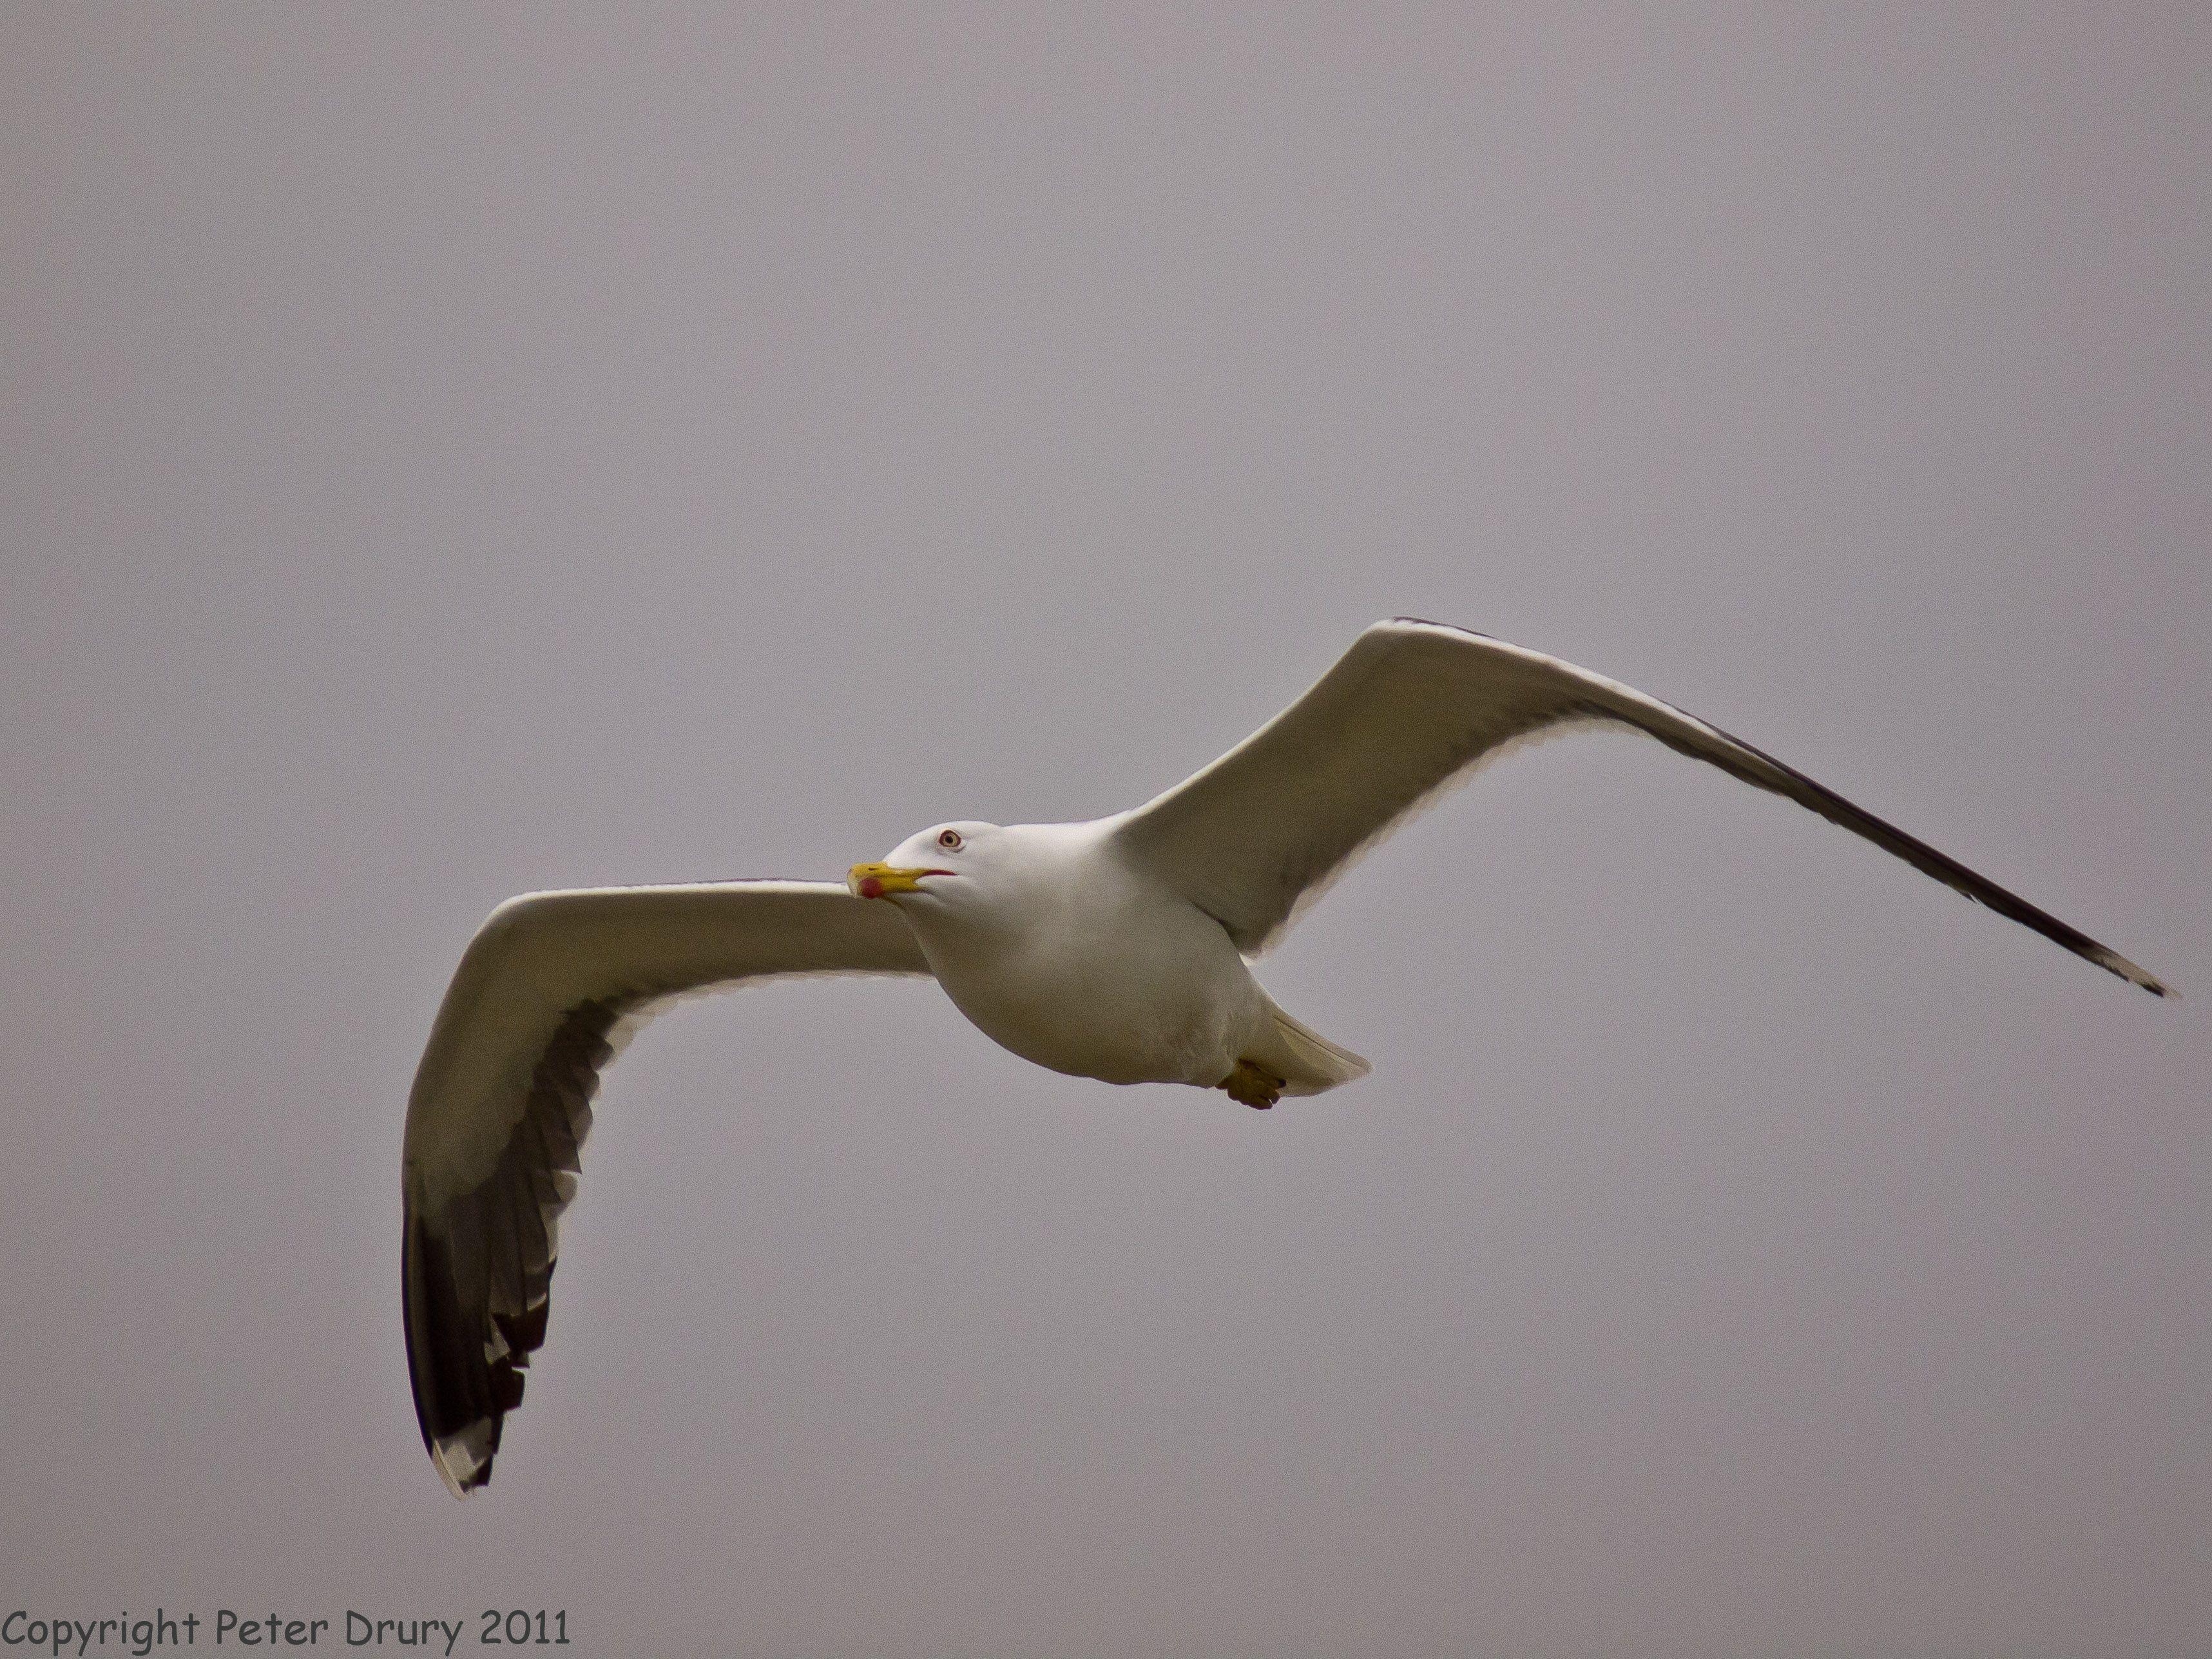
(547, 992)
(1412, 706)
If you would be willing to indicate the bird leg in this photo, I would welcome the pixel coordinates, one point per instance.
(1252, 1085)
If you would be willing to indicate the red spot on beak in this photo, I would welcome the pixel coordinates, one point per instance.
(870, 887)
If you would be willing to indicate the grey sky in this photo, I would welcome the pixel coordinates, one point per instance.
(451, 452)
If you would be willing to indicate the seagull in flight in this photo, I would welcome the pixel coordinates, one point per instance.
(1119, 950)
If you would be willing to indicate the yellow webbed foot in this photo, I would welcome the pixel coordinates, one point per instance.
(1252, 1085)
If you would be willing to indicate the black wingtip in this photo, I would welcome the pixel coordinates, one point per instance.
(461, 1397)
(2113, 963)
(477, 1274)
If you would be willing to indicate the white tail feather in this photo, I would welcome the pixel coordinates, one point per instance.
(1308, 1062)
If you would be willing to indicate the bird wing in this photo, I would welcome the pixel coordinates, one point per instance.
(1411, 708)
(547, 992)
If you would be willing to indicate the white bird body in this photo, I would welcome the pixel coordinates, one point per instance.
(1116, 948)
(1062, 951)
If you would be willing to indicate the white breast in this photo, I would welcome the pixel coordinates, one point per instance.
(1081, 966)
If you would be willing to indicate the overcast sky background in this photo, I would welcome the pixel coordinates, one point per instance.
(453, 452)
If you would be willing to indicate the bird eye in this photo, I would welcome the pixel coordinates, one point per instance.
(949, 840)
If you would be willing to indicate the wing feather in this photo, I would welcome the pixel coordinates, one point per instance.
(1413, 708)
(546, 994)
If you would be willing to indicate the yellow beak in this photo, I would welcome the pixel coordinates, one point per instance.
(881, 880)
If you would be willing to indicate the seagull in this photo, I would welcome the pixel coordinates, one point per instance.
(1118, 949)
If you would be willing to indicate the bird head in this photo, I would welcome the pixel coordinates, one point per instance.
(929, 865)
